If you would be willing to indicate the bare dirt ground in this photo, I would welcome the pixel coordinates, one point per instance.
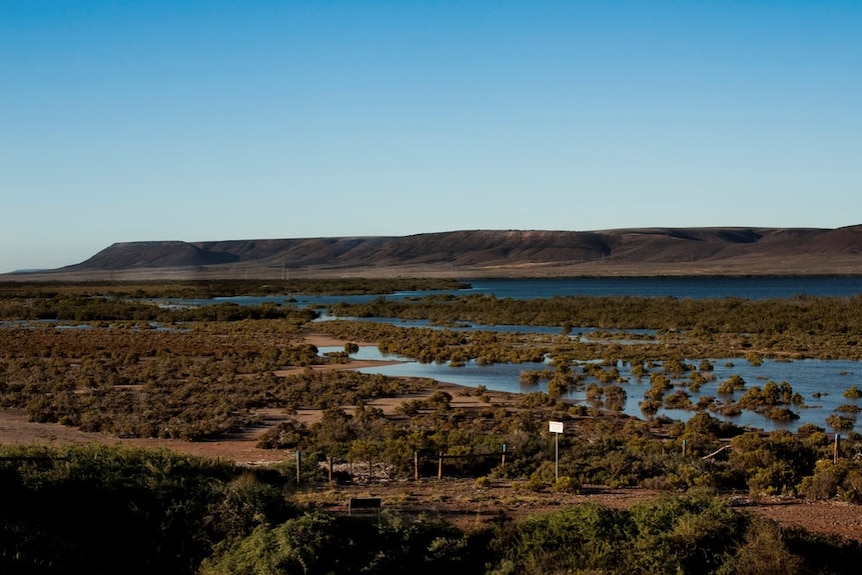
(458, 500)
(468, 506)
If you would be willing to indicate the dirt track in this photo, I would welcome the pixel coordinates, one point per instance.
(457, 500)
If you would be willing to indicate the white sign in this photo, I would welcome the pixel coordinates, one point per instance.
(555, 426)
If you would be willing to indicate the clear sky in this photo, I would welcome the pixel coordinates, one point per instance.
(238, 119)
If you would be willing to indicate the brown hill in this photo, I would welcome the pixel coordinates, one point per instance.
(491, 253)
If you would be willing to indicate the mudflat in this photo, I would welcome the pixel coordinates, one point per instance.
(460, 501)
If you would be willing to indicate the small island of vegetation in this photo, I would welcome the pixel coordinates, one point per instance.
(112, 361)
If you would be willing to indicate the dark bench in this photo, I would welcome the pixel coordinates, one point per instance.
(363, 503)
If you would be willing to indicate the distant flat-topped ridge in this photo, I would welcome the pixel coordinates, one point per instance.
(493, 253)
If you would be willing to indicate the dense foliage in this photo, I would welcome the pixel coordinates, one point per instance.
(101, 510)
(192, 289)
(108, 510)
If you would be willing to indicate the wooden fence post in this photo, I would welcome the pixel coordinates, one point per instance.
(416, 466)
(835, 448)
(440, 466)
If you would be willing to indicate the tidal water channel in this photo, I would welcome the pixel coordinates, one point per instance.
(821, 383)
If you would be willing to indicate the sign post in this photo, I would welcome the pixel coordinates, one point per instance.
(556, 427)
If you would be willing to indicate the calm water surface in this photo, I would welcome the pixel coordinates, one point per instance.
(683, 287)
(807, 377)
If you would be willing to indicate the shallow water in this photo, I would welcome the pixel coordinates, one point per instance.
(808, 376)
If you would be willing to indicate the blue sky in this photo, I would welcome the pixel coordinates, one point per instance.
(217, 119)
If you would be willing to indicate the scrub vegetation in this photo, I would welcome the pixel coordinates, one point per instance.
(105, 510)
(112, 362)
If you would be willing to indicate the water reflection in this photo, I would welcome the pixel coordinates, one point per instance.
(821, 383)
(523, 289)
